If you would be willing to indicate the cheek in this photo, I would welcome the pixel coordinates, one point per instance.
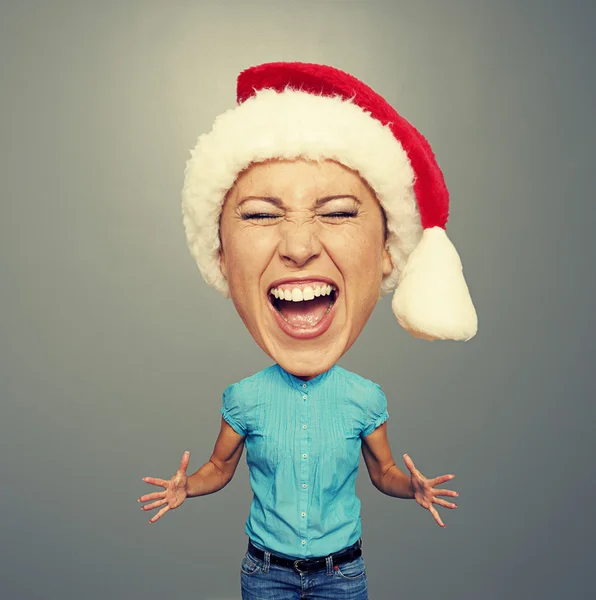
(247, 255)
(359, 255)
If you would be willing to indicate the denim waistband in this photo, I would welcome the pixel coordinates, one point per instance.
(307, 565)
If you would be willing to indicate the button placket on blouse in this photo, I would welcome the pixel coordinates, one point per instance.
(304, 470)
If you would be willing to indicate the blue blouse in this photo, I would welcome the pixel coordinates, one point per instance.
(303, 441)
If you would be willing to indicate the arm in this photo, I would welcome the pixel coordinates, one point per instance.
(219, 470)
(384, 473)
(387, 478)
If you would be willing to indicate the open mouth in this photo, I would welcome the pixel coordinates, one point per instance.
(303, 306)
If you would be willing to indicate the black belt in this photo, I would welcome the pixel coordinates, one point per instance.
(309, 565)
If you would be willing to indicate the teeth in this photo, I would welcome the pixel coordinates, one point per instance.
(298, 295)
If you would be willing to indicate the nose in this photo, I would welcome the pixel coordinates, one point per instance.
(299, 244)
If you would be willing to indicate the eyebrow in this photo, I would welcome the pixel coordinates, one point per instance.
(272, 200)
(279, 203)
(321, 201)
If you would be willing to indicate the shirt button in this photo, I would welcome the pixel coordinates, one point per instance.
(304, 385)
(304, 455)
(304, 542)
(304, 397)
(304, 427)
(304, 514)
(304, 485)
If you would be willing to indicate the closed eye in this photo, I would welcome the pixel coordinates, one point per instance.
(257, 216)
(341, 215)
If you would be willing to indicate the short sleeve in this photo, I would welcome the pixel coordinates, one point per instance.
(377, 410)
(232, 411)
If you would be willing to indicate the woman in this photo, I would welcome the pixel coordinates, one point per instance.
(304, 204)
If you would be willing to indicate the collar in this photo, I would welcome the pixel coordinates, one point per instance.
(298, 383)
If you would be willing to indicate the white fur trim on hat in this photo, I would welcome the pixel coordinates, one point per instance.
(290, 125)
(432, 298)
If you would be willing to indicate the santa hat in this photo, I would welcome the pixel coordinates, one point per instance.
(317, 112)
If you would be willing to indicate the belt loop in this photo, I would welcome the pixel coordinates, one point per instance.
(329, 564)
(266, 561)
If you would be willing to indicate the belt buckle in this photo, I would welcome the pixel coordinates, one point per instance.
(297, 568)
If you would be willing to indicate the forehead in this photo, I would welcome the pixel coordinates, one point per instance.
(299, 180)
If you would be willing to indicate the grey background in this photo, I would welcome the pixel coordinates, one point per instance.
(114, 353)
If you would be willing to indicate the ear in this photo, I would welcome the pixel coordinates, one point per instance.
(223, 267)
(387, 263)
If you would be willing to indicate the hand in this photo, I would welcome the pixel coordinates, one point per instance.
(176, 490)
(424, 492)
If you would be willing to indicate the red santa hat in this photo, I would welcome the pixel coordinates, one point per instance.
(317, 112)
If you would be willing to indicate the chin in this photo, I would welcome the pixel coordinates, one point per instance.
(308, 367)
(300, 367)
(308, 358)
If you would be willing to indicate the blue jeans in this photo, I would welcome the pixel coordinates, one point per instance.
(261, 580)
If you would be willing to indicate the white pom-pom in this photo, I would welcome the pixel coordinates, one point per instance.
(432, 299)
